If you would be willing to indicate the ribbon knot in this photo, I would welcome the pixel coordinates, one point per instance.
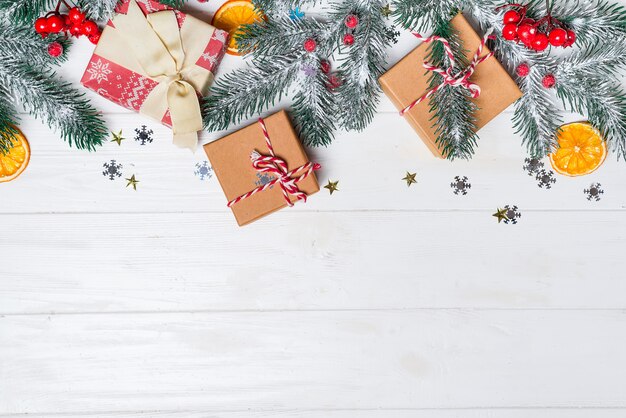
(157, 45)
(287, 180)
(460, 79)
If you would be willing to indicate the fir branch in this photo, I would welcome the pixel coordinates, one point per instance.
(243, 93)
(452, 107)
(260, 38)
(20, 42)
(276, 8)
(8, 121)
(537, 118)
(420, 15)
(99, 9)
(314, 107)
(25, 11)
(596, 94)
(55, 102)
(363, 63)
(595, 22)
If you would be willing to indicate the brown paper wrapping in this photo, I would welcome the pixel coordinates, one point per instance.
(408, 81)
(230, 158)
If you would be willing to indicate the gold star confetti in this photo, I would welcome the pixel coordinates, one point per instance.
(332, 186)
(501, 214)
(386, 10)
(132, 182)
(410, 179)
(117, 137)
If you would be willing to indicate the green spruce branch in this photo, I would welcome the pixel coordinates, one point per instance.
(451, 108)
(362, 63)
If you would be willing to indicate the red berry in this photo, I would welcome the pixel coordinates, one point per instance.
(325, 66)
(55, 49)
(558, 37)
(310, 45)
(41, 25)
(348, 39)
(55, 24)
(549, 81)
(88, 28)
(512, 17)
(75, 30)
(540, 42)
(509, 32)
(352, 21)
(571, 38)
(334, 82)
(95, 38)
(523, 70)
(526, 33)
(76, 16)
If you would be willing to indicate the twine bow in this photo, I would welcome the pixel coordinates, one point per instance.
(287, 180)
(460, 79)
(156, 43)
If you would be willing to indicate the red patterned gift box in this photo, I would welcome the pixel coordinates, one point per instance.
(157, 61)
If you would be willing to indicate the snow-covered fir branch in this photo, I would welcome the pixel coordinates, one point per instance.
(537, 117)
(55, 102)
(8, 121)
(421, 15)
(246, 92)
(362, 63)
(314, 106)
(455, 127)
(595, 22)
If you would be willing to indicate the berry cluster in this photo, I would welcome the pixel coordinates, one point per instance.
(351, 22)
(73, 23)
(537, 35)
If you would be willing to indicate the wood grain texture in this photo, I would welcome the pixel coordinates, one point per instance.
(304, 360)
(380, 301)
(305, 261)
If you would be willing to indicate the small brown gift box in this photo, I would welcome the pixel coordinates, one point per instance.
(230, 158)
(408, 81)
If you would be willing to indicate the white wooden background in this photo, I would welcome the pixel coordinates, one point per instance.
(380, 301)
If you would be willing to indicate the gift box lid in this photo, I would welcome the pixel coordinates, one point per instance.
(231, 161)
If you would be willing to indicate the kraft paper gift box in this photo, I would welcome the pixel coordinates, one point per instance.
(232, 164)
(408, 81)
(159, 62)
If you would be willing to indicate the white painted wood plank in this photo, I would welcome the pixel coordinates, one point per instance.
(312, 360)
(293, 261)
(353, 413)
(369, 166)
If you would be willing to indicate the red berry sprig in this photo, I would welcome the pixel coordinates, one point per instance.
(537, 35)
(74, 23)
(351, 22)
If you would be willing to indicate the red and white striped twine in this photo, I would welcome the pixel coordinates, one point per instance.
(461, 79)
(278, 167)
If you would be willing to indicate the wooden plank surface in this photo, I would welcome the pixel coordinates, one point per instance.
(303, 360)
(380, 301)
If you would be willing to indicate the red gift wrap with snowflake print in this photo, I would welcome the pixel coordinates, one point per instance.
(115, 72)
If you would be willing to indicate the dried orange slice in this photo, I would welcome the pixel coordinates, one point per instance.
(15, 162)
(231, 16)
(581, 150)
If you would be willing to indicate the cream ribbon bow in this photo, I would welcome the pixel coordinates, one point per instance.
(156, 43)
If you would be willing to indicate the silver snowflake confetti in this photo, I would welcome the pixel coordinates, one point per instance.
(203, 170)
(594, 192)
(112, 170)
(533, 166)
(545, 179)
(513, 214)
(144, 135)
(263, 179)
(460, 185)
